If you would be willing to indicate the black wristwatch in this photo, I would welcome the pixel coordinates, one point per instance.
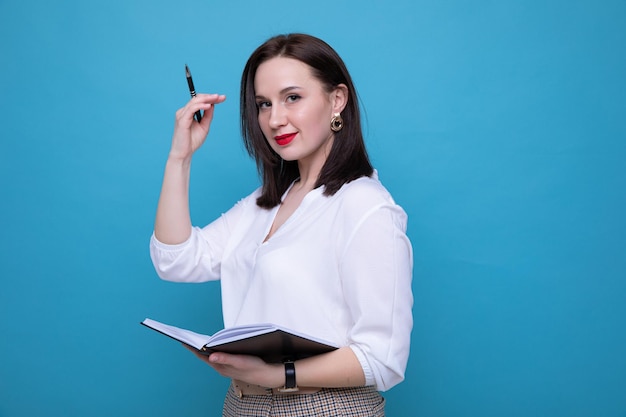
(290, 378)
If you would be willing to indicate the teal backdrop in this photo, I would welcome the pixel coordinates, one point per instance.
(498, 125)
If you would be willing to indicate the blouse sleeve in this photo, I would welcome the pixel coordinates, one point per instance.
(198, 259)
(376, 271)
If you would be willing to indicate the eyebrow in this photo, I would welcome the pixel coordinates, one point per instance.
(281, 92)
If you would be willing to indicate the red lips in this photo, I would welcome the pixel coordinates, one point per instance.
(285, 139)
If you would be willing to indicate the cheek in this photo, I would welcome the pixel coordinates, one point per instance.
(263, 121)
(267, 132)
(316, 124)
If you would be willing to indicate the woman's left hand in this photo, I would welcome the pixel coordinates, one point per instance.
(250, 369)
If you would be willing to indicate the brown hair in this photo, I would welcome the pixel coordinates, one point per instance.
(347, 159)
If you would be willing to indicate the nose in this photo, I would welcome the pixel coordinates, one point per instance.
(278, 117)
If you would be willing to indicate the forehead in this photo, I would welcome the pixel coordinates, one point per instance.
(278, 73)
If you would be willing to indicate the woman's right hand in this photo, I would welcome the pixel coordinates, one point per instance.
(189, 135)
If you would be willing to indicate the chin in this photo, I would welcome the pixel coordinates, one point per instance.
(287, 156)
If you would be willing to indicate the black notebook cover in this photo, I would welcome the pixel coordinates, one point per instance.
(271, 343)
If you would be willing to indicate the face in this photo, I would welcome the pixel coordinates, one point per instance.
(295, 110)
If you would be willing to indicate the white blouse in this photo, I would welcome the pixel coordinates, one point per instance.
(338, 269)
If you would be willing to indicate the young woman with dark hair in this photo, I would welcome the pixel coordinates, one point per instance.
(348, 158)
(320, 247)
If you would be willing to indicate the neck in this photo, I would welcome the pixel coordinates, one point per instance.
(310, 168)
(309, 174)
(306, 181)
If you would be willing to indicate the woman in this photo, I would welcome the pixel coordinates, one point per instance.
(319, 248)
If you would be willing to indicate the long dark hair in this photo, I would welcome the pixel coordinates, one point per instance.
(347, 159)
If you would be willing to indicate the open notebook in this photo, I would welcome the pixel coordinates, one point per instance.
(270, 342)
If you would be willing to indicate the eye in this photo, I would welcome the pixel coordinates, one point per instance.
(292, 98)
(263, 104)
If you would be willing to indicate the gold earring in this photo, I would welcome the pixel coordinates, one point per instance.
(336, 123)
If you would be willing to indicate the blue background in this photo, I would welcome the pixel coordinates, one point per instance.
(498, 126)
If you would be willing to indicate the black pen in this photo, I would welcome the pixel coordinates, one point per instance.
(192, 91)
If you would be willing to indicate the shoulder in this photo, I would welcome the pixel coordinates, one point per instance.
(365, 192)
(250, 199)
(245, 206)
(366, 201)
(362, 198)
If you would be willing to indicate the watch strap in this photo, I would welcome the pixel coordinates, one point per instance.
(290, 378)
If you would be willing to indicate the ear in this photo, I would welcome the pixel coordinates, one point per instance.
(339, 98)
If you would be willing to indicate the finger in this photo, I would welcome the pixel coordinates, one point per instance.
(197, 103)
(206, 103)
(209, 98)
(220, 358)
(207, 118)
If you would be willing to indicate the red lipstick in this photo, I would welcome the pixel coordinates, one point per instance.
(285, 139)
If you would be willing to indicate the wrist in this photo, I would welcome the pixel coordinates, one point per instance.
(274, 377)
(291, 384)
(175, 159)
